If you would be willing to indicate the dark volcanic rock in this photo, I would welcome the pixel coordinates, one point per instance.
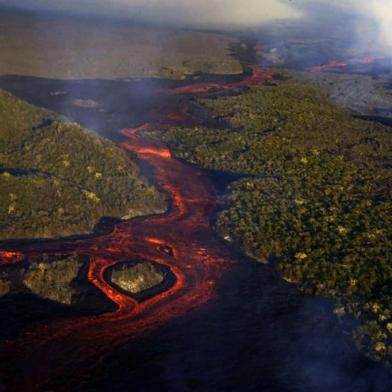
(5, 284)
(362, 94)
(135, 278)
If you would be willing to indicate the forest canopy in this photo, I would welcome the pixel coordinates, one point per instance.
(314, 199)
(57, 179)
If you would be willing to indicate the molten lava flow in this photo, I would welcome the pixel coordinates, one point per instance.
(59, 354)
(333, 65)
(163, 153)
(8, 257)
(258, 75)
(153, 240)
(182, 116)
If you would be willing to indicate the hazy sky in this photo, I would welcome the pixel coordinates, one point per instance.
(212, 13)
(236, 13)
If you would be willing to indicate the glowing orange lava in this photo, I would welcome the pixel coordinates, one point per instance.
(343, 64)
(163, 153)
(257, 76)
(156, 241)
(64, 351)
(8, 257)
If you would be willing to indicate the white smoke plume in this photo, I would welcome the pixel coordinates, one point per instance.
(372, 17)
(382, 12)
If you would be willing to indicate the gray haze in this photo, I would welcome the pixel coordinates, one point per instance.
(193, 13)
(377, 12)
(224, 14)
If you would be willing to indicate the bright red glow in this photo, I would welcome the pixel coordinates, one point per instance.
(343, 64)
(156, 241)
(258, 75)
(163, 153)
(8, 257)
(197, 264)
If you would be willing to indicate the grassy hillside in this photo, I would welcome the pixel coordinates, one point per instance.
(317, 199)
(57, 179)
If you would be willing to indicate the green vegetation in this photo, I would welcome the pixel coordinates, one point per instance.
(136, 278)
(316, 200)
(54, 280)
(57, 179)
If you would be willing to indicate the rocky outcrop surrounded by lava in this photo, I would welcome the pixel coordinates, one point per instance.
(60, 279)
(136, 278)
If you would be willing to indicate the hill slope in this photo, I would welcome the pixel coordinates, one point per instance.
(57, 179)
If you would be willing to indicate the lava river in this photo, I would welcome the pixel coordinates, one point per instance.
(60, 355)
